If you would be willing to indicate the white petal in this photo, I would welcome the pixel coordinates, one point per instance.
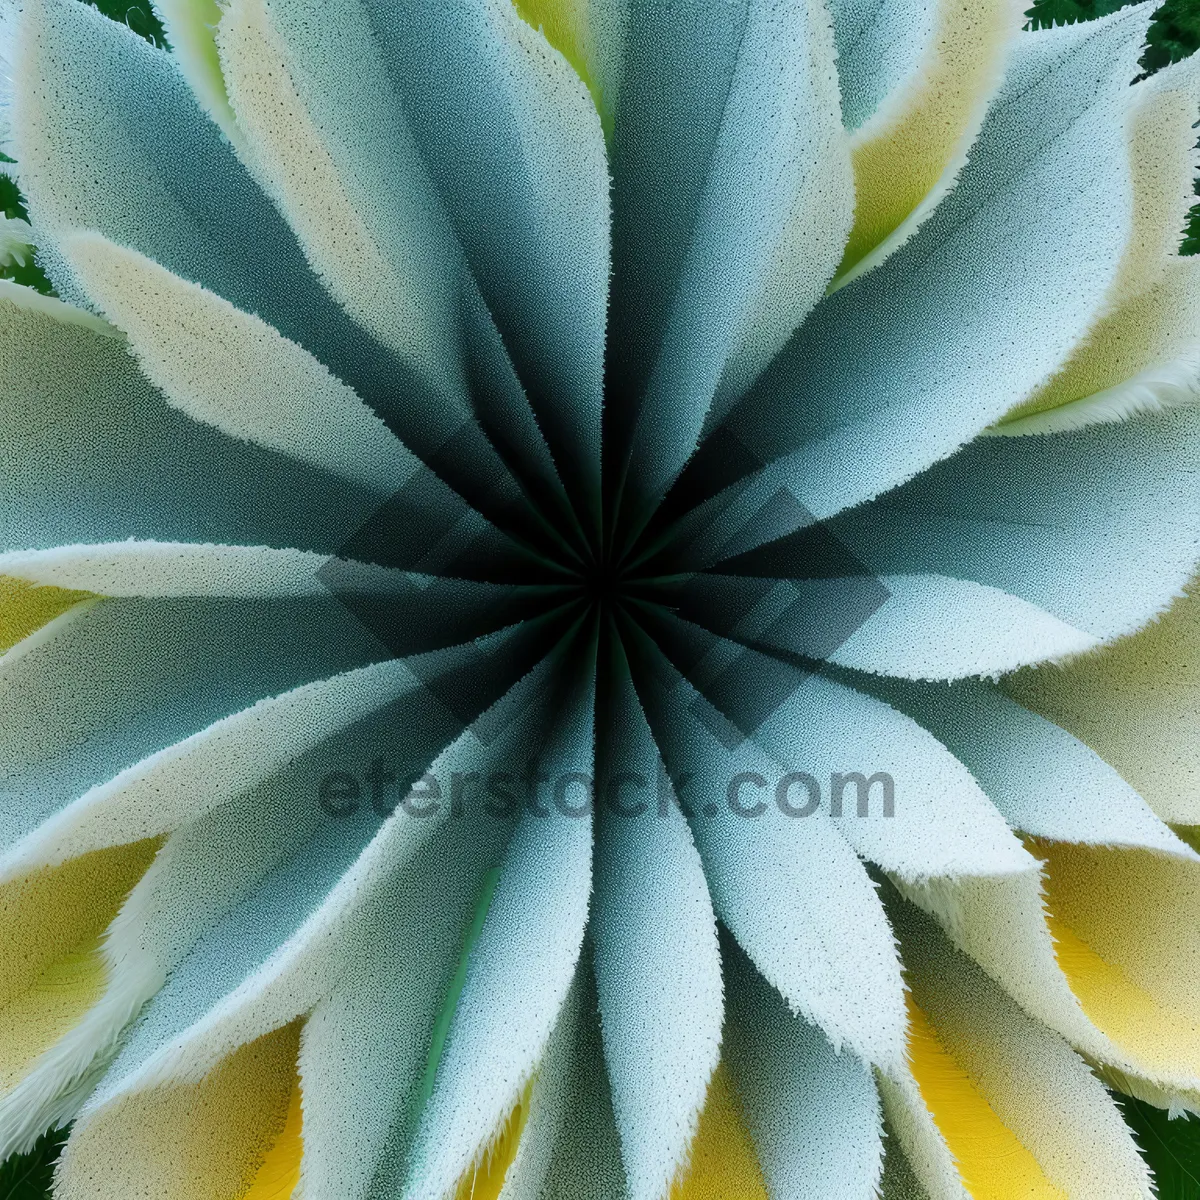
(554, 1099)
(980, 631)
(904, 800)
(182, 781)
(232, 370)
(814, 1115)
(1100, 527)
(366, 1056)
(1134, 703)
(1109, 962)
(149, 568)
(16, 242)
(879, 48)
(808, 237)
(190, 26)
(8, 20)
(791, 890)
(153, 568)
(56, 973)
(1142, 352)
(112, 139)
(117, 680)
(75, 413)
(518, 976)
(586, 1159)
(201, 872)
(310, 923)
(908, 626)
(658, 966)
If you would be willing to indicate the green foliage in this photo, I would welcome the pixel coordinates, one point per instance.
(137, 14)
(1171, 1148)
(29, 275)
(1174, 34)
(140, 17)
(28, 1176)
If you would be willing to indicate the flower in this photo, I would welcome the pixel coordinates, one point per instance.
(593, 600)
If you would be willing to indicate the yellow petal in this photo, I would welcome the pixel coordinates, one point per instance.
(235, 1130)
(993, 1164)
(50, 928)
(280, 1172)
(902, 153)
(25, 607)
(723, 1164)
(486, 1176)
(1124, 933)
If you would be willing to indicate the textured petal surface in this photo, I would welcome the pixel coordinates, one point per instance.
(517, 976)
(1044, 781)
(768, 157)
(231, 370)
(113, 140)
(912, 361)
(726, 146)
(1134, 704)
(658, 967)
(122, 679)
(943, 825)
(791, 940)
(916, 83)
(814, 1114)
(190, 26)
(1023, 1114)
(520, 168)
(886, 623)
(76, 415)
(1091, 957)
(380, 248)
(1088, 526)
(529, 666)
(1142, 352)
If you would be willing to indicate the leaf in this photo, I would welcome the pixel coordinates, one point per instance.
(28, 1176)
(1174, 34)
(12, 204)
(1171, 1148)
(141, 19)
(138, 15)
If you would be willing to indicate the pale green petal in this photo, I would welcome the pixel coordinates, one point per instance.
(917, 81)
(1135, 704)
(230, 369)
(657, 962)
(1070, 1139)
(1142, 353)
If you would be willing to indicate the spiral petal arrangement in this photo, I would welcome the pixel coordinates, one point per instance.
(593, 600)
